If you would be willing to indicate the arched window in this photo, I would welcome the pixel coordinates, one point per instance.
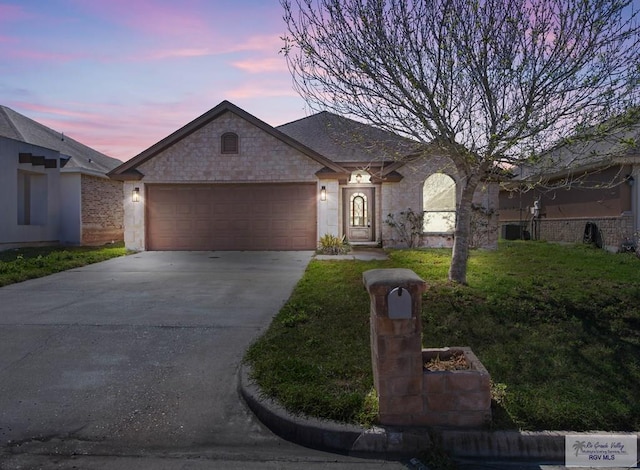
(358, 210)
(229, 142)
(439, 203)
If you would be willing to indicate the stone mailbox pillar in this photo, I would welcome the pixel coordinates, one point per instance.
(396, 342)
(408, 393)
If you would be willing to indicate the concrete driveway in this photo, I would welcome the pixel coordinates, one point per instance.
(137, 354)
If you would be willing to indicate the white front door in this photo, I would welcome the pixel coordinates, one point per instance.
(359, 213)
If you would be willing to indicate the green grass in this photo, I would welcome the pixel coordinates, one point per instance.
(29, 263)
(558, 328)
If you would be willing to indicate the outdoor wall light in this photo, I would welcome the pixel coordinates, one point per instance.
(323, 193)
(358, 178)
(135, 196)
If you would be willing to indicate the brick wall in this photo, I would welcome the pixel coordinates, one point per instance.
(571, 230)
(102, 210)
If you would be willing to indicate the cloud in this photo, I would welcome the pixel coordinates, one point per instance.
(118, 130)
(261, 89)
(271, 43)
(152, 17)
(262, 65)
(167, 63)
(162, 54)
(191, 28)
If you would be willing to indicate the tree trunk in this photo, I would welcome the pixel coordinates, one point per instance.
(458, 268)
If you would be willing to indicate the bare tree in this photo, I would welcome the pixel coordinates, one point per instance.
(489, 83)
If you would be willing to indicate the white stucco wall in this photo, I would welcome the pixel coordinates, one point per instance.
(70, 211)
(328, 211)
(134, 228)
(45, 208)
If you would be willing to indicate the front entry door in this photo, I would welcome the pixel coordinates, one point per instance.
(359, 214)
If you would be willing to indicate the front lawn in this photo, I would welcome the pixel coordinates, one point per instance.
(558, 328)
(28, 263)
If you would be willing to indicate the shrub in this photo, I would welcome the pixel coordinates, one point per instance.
(332, 245)
(408, 226)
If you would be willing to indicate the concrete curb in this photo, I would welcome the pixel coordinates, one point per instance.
(362, 256)
(548, 446)
(314, 433)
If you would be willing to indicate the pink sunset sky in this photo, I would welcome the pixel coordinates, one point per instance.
(119, 75)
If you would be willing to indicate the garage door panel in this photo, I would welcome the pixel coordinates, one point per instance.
(260, 209)
(240, 227)
(298, 226)
(231, 217)
(168, 209)
(201, 226)
(201, 209)
(260, 226)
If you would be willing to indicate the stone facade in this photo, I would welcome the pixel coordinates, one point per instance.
(261, 158)
(407, 194)
(102, 210)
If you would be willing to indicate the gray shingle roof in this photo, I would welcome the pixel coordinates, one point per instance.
(619, 146)
(344, 140)
(14, 125)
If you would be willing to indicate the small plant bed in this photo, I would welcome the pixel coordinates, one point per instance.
(557, 327)
(455, 361)
(333, 245)
(20, 264)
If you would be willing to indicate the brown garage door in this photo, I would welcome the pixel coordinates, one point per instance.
(231, 217)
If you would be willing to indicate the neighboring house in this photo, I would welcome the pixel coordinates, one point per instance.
(229, 181)
(54, 189)
(588, 193)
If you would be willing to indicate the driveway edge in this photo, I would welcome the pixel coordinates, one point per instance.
(309, 432)
(548, 446)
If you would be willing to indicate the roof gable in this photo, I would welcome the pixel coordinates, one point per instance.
(129, 169)
(82, 158)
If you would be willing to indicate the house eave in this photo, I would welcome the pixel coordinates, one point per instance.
(84, 171)
(129, 175)
(600, 164)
